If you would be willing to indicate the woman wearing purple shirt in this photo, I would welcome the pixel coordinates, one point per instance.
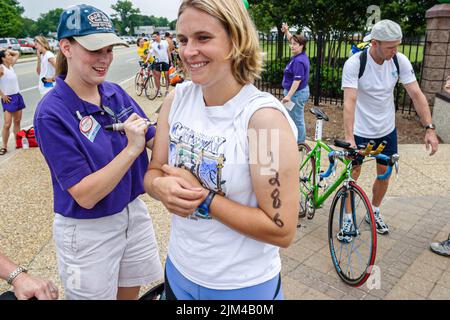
(105, 243)
(295, 82)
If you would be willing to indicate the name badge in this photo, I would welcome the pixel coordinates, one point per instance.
(89, 127)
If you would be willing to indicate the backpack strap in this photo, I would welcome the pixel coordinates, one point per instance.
(362, 63)
(396, 64)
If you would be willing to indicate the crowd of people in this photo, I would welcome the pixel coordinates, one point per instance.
(159, 56)
(231, 211)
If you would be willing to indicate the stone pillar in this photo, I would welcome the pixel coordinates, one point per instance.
(437, 52)
(441, 116)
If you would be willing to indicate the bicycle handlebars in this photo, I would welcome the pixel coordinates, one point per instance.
(360, 153)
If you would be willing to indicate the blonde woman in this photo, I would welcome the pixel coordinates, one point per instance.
(46, 63)
(231, 209)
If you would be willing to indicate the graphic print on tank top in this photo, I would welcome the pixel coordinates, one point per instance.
(201, 154)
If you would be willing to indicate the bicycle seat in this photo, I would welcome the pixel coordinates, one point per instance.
(342, 144)
(320, 115)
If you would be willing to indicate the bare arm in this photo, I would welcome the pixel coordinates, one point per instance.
(285, 30)
(93, 188)
(15, 55)
(38, 64)
(3, 97)
(25, 285)
(178, 195)
(349, 114)
(423, 110)
(52, 61)
(274, 220)
(170, 56)
(292, 91)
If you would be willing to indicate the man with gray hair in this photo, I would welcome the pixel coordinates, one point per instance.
(368, 80)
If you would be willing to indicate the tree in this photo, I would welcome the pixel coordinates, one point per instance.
(173, 24)
(410, 14)
(10, 17)
(28, 28)
(126, 15)
(48, 22)
(272, 13)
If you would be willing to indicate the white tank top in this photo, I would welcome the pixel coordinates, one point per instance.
(212, 142)
(47, 71)
(9, 84)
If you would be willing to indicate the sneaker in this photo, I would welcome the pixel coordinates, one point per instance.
(166, 93)
(382, 227)
(442, 248)
(347, 227)
(159, 94)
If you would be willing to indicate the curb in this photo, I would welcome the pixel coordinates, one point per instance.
(26, 60)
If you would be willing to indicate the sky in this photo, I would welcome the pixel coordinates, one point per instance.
(158, 8)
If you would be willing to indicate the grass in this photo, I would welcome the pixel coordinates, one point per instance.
(414, 52)
(26, 56)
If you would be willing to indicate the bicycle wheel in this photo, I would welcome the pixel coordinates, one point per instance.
(150, 88)
(353, 255)
(307, 170)
(138, 83)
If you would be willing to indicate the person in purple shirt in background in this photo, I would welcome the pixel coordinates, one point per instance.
(295, 81)
(105, 243)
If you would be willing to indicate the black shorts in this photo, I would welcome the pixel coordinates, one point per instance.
(161, 66)
(390, 149)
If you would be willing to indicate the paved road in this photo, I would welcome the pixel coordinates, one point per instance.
(122, 69)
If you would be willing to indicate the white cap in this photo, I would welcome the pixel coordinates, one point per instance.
(385, 30)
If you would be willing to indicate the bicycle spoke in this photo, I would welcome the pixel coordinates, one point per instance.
(355, 249)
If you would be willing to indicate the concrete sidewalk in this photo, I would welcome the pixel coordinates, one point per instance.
(417, 211)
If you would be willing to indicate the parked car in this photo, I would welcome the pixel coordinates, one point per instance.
(26, 46)
(54, 44)
(9, 43)
(127, 39)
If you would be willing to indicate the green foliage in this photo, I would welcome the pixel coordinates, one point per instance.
(274, 70)
(28, 28)
(173, 24)
(47, 22)
(338, 16)
(330, 80)
(10, 17)
(410, 14)
(317, 15)
(125, 16)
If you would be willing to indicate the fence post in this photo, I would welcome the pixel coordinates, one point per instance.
(318, 68)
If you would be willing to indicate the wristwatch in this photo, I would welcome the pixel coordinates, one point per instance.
(430, 126)
(203, 209)
(14, 274)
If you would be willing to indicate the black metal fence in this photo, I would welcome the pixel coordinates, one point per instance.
(328, 54)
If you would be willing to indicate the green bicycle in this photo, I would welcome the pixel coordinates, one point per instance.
(351, 220)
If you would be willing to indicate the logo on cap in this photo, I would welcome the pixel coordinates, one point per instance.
(99, 20)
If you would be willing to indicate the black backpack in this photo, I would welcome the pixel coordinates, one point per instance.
(363, 61)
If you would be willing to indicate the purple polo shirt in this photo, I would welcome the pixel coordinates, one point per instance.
(297, 69)
(71, 156)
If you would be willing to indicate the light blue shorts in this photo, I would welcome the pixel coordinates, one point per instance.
(178, 287)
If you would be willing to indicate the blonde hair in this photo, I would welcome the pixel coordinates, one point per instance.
(43, 42)
(245, 54)
(61, 67)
